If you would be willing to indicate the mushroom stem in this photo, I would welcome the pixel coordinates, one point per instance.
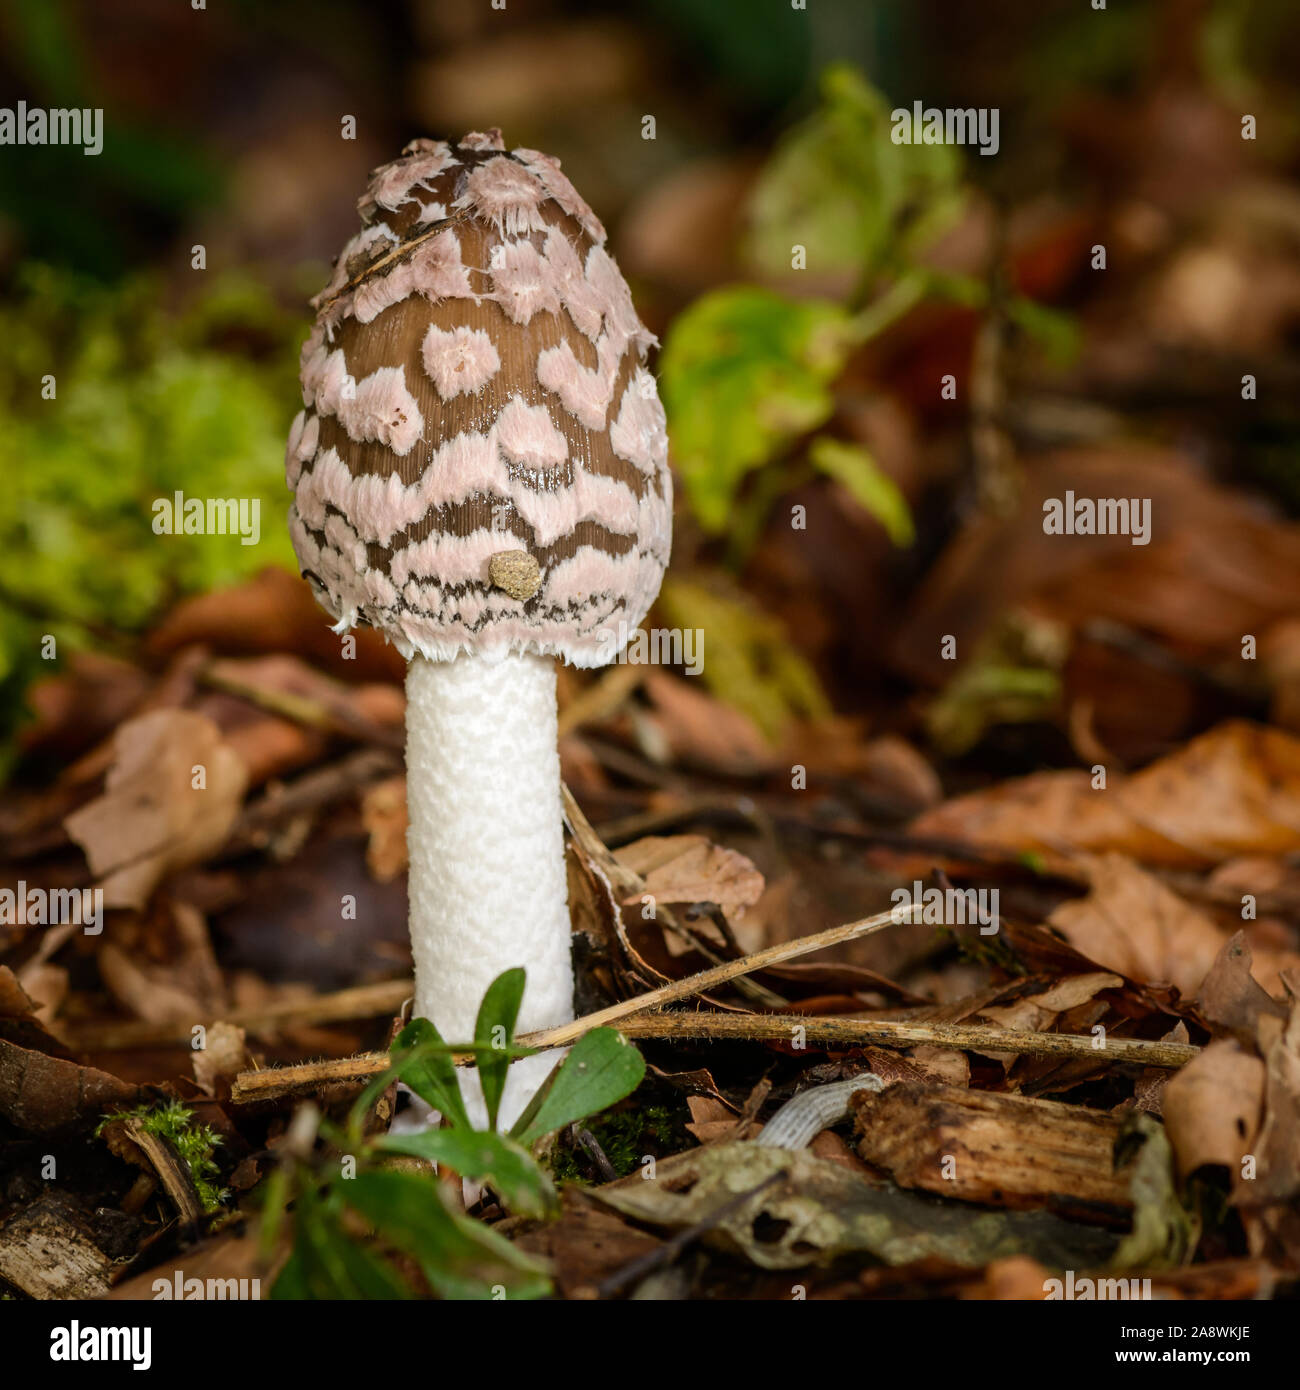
(487, 883)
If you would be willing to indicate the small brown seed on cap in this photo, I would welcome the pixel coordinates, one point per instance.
(516, 572)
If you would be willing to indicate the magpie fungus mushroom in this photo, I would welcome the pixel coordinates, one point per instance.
(480, 473)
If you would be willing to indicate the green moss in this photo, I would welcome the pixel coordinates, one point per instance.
(625, 1137)
(191, 1142)
(148, 400)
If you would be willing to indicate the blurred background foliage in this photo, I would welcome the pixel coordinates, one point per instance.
(222, 130)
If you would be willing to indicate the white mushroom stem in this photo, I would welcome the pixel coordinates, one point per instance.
(487, 878)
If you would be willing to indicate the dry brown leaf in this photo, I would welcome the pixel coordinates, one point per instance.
(1215, 569)
(151, 817)
(1131, 922)
(383, 814)
(1231, 997)
(163, 970)
(710, 1119)
(1212, 1107)
(223, 1056)
(685, 869)
(1233, 791)
(701, 730)
(1278, 1145)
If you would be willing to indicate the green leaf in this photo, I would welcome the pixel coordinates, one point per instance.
(496, 1015)
(840, 187)
(744, 372)
(1058, 332)
(431, 1075)
(602, 1067)
(291, 1284)
(327, 1264)
(460, 1258)
(487, 1157)
(854, 468)
(751, 662)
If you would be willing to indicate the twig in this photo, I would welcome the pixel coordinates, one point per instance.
(299, 1080)
(813, 1031)
(344, 1006)
(302, 709)
(601, 699)
(309, 793)
(719, 975)
(624, 883)
(306, 1078)
(667, 1252)
(851, 1032)
(598, 1156)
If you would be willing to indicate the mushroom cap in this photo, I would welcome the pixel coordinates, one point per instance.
(475, 384)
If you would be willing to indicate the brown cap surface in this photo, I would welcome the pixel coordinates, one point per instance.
(475, 385)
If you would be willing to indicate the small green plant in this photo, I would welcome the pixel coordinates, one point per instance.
(190, 1141)
(350, 1193)
(624, 1136)
(749, 374)
(109, 403)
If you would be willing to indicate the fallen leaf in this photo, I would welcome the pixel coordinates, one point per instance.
(1231, 997)
(698, 729)
(384, 817)
(1130, 922)
(686, 869)
(1017, 1278)
(222, 1056)
(816, 1209)
(1212, 1108)
(152, 818)
(1233, 791)
(1278, 1143)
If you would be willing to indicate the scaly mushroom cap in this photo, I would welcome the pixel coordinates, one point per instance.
(482, 463)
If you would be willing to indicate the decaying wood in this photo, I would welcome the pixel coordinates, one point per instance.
(48, 1251)
(48, 1095)
(128, 1138)
(999, 1150)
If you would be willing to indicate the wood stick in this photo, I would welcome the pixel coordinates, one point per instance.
(827, 1029)
(346, 1005)
(719, 975)
(301, 1080)
(279, 1082)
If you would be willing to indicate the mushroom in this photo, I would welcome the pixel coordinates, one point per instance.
(480, 473)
